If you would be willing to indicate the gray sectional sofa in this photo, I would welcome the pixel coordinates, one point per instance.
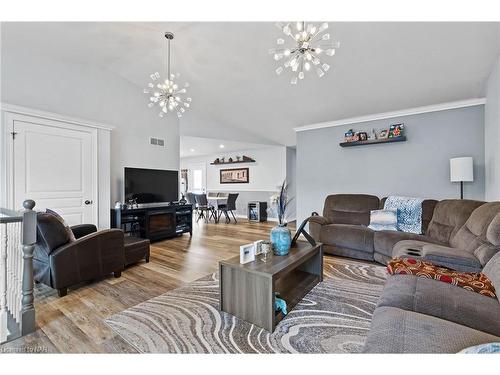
(416, 314)
(420, 315)
(460, 234)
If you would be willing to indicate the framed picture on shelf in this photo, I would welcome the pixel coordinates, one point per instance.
(396, 130)
(383, 134)
(234, 176)
(362, 136)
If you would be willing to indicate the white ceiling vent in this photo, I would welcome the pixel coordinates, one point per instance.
(157, 141)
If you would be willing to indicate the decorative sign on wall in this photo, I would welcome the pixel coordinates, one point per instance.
(234, 176)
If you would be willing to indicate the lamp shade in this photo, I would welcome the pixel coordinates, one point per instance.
(461, 169)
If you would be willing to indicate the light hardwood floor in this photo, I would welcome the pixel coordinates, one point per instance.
(75, 323)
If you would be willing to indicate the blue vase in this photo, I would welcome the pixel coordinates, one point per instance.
(281, 239)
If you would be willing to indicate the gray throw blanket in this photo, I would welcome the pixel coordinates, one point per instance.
(409, 212)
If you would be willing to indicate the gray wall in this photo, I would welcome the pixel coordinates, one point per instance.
(492, 135)
(418, 167)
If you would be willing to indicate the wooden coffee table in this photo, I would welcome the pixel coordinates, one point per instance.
(247, 291)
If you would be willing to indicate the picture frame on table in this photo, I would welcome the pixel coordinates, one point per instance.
(258, 247)
(247, 253)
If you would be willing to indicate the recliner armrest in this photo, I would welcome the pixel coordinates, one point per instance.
(90, 257)
(81, 230)
(321, 220)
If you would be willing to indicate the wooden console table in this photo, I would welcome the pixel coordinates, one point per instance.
(247, 291)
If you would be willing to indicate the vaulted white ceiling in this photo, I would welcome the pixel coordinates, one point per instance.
(236, 94)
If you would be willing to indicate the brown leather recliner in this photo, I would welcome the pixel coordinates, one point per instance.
(60, 262)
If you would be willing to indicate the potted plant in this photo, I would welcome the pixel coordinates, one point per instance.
(281, 238)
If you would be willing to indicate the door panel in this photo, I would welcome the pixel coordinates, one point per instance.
(53, 166)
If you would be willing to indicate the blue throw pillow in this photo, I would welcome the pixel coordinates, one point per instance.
(492, 347)
(383, 220)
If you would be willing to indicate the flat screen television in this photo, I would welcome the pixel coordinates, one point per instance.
(151, 185)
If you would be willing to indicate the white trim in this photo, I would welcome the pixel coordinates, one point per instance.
(403, 112)
(12, 108)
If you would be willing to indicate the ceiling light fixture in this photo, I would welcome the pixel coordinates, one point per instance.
(309, 42)
(166, 92)
(221, 146)
(191, 149)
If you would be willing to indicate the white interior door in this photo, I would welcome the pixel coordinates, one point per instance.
(54, 166)
(197, 178)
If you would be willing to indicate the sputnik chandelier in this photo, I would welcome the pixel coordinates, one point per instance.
(166, 92)
(309, 43)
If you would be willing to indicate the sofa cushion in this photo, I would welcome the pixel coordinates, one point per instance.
(350, 208)
(449, 216)
(445, 256)
(472, 236)
(355, 237)
(442, 300)
(493, 231)
(492, 270)
(395, 330)
(384, 241)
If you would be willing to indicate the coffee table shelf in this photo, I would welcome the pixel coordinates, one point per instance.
(247, 291)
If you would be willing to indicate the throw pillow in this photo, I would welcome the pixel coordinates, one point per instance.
(475, 282)
(492, 347)
(59, 217)
(383, 220)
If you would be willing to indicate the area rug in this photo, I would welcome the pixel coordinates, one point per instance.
(333, 318)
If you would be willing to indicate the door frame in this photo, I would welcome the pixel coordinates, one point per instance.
(11, 113)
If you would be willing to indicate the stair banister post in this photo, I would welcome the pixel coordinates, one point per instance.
(28, 241)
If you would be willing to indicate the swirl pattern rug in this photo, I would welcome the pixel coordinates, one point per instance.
(333, 318)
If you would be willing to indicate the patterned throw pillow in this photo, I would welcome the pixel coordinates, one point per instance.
(383, 220)
(490, 348)
(475, 282)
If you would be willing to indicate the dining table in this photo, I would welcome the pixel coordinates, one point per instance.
(215, 202)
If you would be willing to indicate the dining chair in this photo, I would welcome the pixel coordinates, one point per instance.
(229, 207)
(191, 200)
(206, 211)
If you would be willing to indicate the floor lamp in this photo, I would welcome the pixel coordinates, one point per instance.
(461, 170)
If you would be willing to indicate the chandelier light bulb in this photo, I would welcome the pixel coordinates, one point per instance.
(305, 44)
(168, 96)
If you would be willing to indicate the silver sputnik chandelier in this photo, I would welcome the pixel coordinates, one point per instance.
(309, 42)
(165, 92)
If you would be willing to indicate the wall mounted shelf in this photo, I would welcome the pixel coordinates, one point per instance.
(233, 162)
(373, 141)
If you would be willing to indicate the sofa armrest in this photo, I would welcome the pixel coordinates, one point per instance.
(321, 220)
(315, 224)
(90, 257)
(81, 230)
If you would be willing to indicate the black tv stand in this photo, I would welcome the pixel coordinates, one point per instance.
(154, 221)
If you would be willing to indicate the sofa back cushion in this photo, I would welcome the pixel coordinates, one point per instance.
(428, 206)
(449, 216)
(350, 208)
(473, 235)
(492, 270)
(50, 234)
